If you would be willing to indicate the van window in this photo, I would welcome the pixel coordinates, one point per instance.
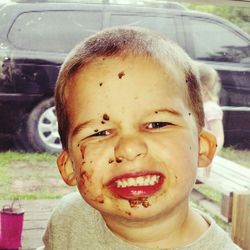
(165, 25)
(214, 42)
(45, 31)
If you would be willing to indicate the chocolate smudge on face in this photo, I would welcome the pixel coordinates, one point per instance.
(96, 130)
(156, 112)
(100, 84)
(189, 113)
(145, 203)
(140, 201)
(111, 161)
(128, 213)
(85, 175)
(133, 203)
(121, 74)
(82, 149)
(105, 117)
(103, 122)
(99, 199)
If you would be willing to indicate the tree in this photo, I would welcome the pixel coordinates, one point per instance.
(237, 15)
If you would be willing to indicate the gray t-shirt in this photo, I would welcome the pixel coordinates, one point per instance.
(75, 225)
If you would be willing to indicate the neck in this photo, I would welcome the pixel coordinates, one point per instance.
(175, 229)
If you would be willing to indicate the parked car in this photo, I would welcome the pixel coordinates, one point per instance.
(35, 38)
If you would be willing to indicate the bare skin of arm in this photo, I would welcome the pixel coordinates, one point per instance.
(216, 127)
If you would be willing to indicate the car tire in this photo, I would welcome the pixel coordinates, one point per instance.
(41, 128)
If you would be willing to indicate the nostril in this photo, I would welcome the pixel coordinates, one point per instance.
(118, 159)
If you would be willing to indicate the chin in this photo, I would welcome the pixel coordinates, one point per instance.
(141, 209)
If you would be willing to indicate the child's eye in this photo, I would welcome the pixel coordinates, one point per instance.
(154, 125)
(101, 133)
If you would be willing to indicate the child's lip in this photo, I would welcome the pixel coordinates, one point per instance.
(136, 185)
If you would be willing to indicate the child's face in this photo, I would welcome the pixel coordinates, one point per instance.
(133, 140)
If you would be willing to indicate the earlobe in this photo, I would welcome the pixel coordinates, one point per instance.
(65, 167)
(207, 148)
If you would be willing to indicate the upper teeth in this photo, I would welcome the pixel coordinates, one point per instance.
(148, 180)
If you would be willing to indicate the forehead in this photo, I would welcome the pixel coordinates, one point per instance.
(140, 67)
(124, 81)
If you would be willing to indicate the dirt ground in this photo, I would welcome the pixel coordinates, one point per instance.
(34, 179)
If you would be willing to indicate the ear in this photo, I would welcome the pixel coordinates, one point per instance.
(65, 167)
(207, 148)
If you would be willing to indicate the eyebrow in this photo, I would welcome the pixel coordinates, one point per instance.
(171, 111)
(79, 127)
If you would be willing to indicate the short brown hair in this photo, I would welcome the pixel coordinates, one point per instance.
(123, 41)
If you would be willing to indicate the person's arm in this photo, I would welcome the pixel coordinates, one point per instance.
(216, 126)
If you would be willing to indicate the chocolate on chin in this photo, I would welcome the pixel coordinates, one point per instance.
(139, 201)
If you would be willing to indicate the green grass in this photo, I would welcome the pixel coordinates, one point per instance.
(240, 156)
(4, 177)
(208, 192)
(6, 157)
(31, 196)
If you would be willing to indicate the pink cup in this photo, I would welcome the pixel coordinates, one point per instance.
(11, 226)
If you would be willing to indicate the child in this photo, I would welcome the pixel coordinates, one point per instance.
(210, 90)
(131, 122)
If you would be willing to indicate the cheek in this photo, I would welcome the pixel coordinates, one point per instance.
(99, 155)
(177, 143)
(84, 171)
(91, 168)
(178, 151)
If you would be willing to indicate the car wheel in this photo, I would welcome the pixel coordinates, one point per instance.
(42, 129)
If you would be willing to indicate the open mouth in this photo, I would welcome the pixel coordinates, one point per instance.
(133, 186)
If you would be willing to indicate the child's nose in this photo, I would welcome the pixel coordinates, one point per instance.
(129, 148)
